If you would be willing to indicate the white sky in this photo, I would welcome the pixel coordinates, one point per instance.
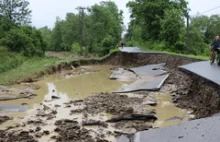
(44, 12)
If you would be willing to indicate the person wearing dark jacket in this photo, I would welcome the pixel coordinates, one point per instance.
(215, 45)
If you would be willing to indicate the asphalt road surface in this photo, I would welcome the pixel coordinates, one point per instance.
(132, 50)
(202, 130)
(205, 70)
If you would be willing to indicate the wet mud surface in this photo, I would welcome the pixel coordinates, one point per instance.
(66, 112)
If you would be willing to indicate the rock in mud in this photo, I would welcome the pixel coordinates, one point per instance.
(70, 131)
(150, 103)
(55, 97)
(4, 119)
(149, 118)
(35, 122)
(111, 103)
(38, 129)
(38, 135)
(46, 132)
(24, 104)
(142, 126)
(76, 111)
(57, 105)
(94, 123)
(22, 136)
(128, 125)
(75, 101)
(65, 121)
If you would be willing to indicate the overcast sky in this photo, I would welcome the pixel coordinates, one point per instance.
(44, 12)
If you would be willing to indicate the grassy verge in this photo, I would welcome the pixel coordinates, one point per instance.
(178, 54)
(10, 60)
(189, 55)
(29, 67)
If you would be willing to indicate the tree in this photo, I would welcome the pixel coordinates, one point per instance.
(16, 11)
(46, 33)
(148, 13)
(26, 40)
(56, 37)
(102, 30)
(5, 26)
(172, 29)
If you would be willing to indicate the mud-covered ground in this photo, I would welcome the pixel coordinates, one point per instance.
(15, 92)
(192, 92)
(90, 120)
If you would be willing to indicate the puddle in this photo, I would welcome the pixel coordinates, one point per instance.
(66, 86)
(167, 113)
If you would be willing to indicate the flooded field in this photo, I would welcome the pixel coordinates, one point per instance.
(77, 95)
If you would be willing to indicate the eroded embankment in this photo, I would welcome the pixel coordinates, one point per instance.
(193, 92)
(189, 92)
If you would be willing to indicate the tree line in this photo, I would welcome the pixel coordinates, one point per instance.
(161, 25)
(155, 24)
(15, 32)
(97, 30)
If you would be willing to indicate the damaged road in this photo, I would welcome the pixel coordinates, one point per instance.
(110, 117)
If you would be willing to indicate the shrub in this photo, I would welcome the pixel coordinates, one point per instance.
(26, 40)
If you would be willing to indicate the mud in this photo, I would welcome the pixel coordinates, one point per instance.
(189, 91)
(76, 117)
(22, 136)
(17, 92)
(4, 119)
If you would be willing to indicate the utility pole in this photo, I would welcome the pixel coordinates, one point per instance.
(81, 20)
(187, 33)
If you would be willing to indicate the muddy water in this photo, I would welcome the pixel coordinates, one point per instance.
(167, 113)
(67, 87)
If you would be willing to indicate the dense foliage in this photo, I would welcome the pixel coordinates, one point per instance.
(102, 26)
(160, 25)
(15, 34)
(155, 24)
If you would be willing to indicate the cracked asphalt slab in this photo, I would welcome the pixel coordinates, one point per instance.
(201, 130)
(205, 70)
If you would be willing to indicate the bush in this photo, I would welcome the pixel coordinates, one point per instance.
(9, 60)
(154, 45)
(75, 48)
(26, 40)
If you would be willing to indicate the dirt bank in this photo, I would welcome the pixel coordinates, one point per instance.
(193, 92)
(189, 92)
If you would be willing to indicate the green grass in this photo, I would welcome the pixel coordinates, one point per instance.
(30, 66)
(201, 57)
(9, 60)
(189, 55)
(27, 69)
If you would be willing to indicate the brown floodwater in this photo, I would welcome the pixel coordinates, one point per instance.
(74, 87)
(167, 113)
(66, 87)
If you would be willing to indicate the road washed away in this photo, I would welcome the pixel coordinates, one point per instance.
(97, 103)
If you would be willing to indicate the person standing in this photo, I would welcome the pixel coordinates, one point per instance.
(122, 44)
